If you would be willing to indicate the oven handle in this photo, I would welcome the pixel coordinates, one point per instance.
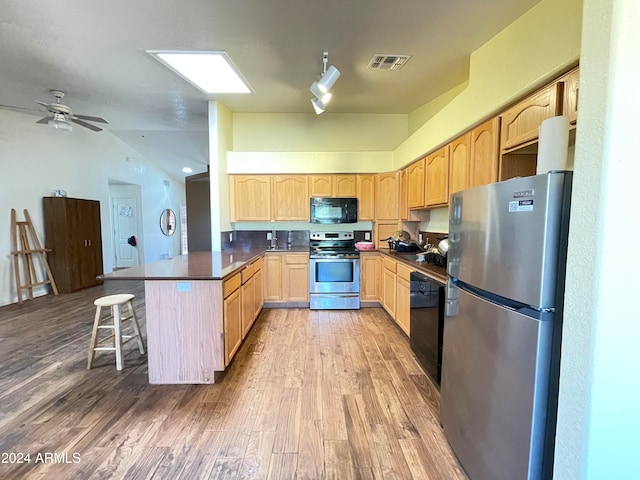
(335, 257)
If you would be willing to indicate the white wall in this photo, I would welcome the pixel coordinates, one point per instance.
(35, 159)
(598, 417)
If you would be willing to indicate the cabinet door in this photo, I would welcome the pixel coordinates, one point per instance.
(296, 278)
(344, 185)
(437, 182)
(320, 185)
(232, 313)
(272, 280)
(387, 196)
(389, 291)
(251, 197)
(370, 273)
(248, 305)
(570, 98)
(404, 194)
(290, 197)
(459, 158)
(520, 123)
(259, 296)
(365, 191)
(415, 184)
(484, 153)
(403, 298)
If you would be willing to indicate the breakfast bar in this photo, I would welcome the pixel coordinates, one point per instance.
(193, 312)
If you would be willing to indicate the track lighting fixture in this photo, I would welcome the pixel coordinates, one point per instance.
(320, 89)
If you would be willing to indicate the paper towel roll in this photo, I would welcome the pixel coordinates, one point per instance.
(553, 144)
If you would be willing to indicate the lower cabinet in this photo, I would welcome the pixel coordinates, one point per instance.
(370, 274)
(389, 286)
(403, 297)
(286, 277)
(232, 324)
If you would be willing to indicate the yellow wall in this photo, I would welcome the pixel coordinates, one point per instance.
(526, 54)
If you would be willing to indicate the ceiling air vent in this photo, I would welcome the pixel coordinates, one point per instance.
(388, 62)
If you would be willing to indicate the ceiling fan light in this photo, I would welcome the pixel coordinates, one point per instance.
(324, 97)
(318, 106)
(59, 122)
(328, 79)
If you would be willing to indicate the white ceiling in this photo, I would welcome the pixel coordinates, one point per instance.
(94, 50)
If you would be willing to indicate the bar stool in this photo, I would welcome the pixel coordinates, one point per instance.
(118, 316)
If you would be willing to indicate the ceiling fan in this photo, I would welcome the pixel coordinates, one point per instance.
(61, 115)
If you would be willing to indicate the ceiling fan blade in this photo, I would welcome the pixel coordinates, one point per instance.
(31, 111)
(91, 119)
(44, 120)
(45, 105)
(86, 125)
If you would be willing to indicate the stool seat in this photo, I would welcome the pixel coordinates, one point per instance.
(111, 300)
(114, 302)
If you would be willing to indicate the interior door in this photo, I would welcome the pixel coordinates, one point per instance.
(125, 225)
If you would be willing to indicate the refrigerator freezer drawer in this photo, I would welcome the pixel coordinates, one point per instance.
(495, 370)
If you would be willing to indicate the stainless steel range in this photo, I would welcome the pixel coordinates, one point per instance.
(334, 273)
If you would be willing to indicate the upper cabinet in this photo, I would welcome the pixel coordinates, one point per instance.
(251, 197)
(437, 177)
(483, 163)
(571, 85)
(459, 163)
(320, 185)
(365, 191)
(332, 185)
(290, 197)
(520, 123)
(415, 184)
(387, 195)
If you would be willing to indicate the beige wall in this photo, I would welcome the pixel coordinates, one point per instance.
(526, 54)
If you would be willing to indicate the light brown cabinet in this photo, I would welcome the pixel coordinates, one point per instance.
(344, 186)
(272, 277)
(74, 235)
(387, 188)
(365, 192)
(403, 297)
(570, 96)
(483, 167)
(290, 198)
(389, 286)
(370, 274)
(250, 197)
(251, 294)
(232, 317)
(459, 163)
(321, 185)
(286, 277)
(437, 177)
(415, 184)
(520, 123)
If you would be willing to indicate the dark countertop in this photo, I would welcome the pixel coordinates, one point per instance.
(195, 265)
(439, 273)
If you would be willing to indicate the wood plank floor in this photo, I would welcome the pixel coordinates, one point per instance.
(310, 395)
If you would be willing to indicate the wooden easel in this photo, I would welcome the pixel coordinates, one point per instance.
(27, 234)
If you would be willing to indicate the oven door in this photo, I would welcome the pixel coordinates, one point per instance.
(334, 275)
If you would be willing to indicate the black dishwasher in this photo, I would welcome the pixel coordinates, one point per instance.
(427, 323)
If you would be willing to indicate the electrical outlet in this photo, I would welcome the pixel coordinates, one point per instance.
(367, 235)
(268, 235)
(419, 238)
(231, 237)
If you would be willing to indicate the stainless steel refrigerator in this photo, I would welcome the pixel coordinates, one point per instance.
(503, 324)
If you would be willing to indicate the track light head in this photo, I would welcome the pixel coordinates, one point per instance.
(328, 79)
(321, 88)
(318, 106)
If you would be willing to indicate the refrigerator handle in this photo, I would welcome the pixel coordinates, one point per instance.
(452, 302)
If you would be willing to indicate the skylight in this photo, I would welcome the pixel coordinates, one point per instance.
(211, 72)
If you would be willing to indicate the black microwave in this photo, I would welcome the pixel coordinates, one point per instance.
(333, 210)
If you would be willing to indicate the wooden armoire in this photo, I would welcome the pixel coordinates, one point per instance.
(73, 233)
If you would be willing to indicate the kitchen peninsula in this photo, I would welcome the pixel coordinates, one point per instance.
(194, 316)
